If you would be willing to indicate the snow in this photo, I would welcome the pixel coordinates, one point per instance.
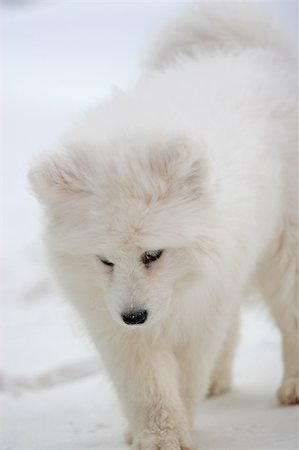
(59, 58)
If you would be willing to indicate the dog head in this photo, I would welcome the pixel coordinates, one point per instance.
(132, 213)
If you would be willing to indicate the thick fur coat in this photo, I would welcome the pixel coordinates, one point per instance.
(199, 160)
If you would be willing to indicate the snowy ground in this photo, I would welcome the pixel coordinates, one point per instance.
(59, 58)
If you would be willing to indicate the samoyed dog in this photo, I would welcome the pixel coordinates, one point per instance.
(168, 203)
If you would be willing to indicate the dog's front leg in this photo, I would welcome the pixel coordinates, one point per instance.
(147, 383)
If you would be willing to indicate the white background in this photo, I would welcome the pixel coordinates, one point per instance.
(58, 59)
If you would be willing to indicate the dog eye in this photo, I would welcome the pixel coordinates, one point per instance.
(106, 262)
(150, 257)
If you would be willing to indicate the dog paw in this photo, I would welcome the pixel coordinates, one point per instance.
(288, 393)
(163, 441)
(219, 386)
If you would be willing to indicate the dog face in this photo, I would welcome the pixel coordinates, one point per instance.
(132, 213)
(138, 284)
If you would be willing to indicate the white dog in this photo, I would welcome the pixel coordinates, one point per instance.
(169, 202)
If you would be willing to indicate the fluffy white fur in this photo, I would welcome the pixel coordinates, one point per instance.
(198, 159)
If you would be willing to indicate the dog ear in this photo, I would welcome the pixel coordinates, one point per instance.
(61, 177)
(181, 165)
(182, 205)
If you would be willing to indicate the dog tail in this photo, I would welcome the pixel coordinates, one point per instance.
(223, 27)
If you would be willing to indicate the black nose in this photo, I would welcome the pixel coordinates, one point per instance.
(135, 317)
